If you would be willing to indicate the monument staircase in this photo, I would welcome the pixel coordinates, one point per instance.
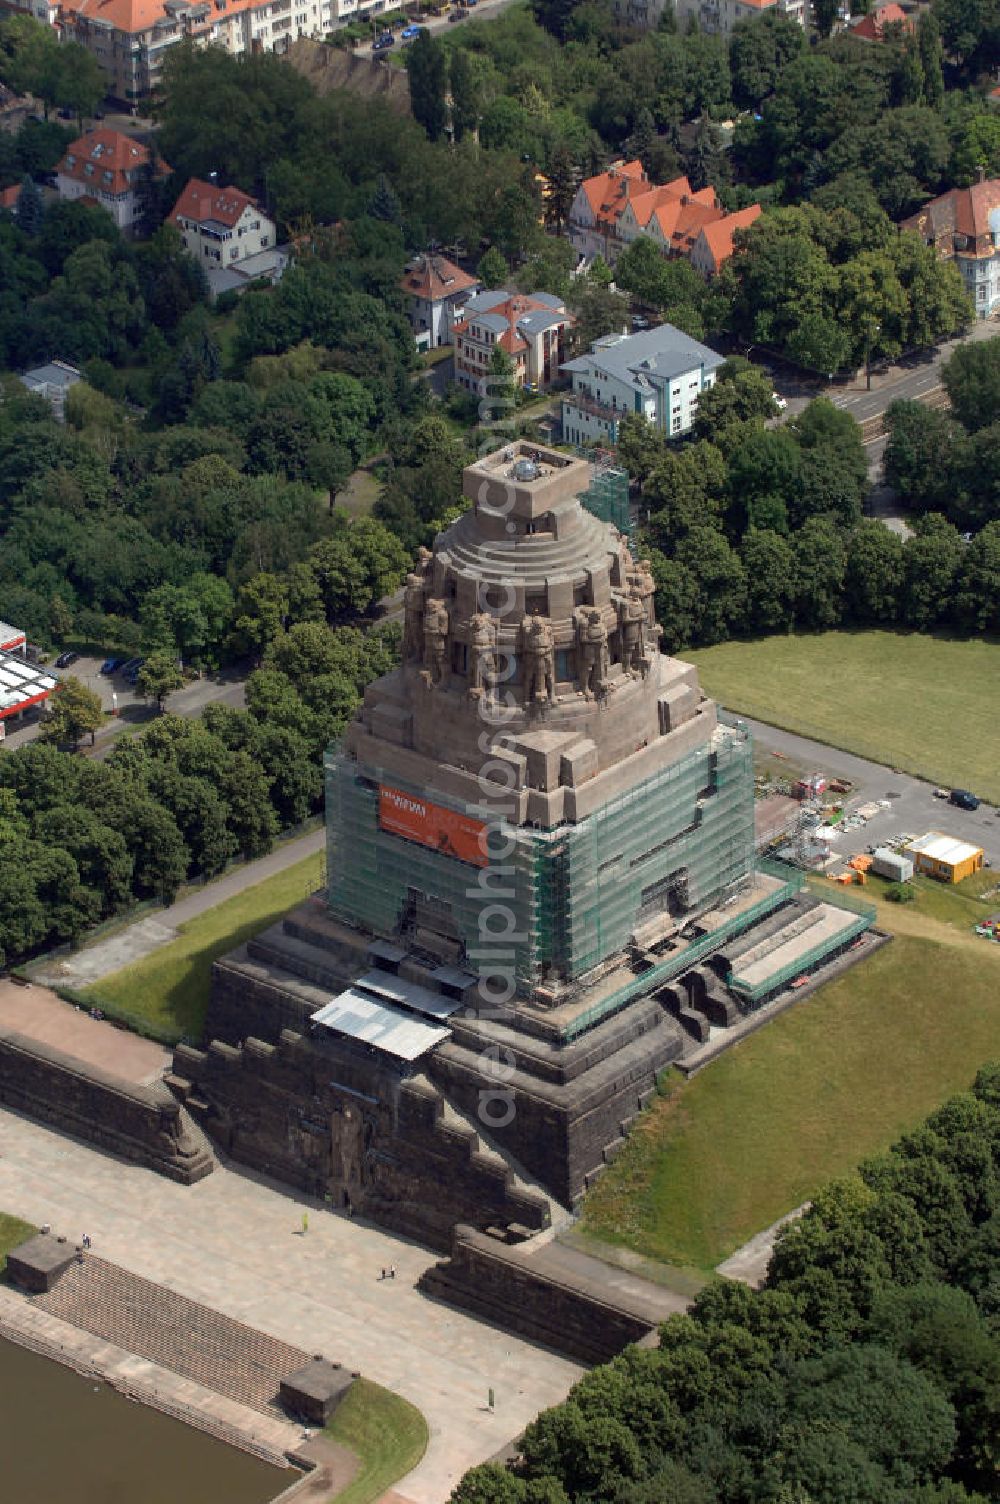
(194, 1341)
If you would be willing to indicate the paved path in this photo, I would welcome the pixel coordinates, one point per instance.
(39, 1014)
(235, 1243)
(126, 946)
(749, 1263)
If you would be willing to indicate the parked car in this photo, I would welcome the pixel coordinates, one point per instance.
(780, 402)
(410, 33)
(963, 799)
(111, 666)
(381, 43)
(132, 670)
(65, 659)
(638, 322)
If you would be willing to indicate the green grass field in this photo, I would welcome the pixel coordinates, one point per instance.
(386, 1432)
(839, 1076)
(12, 1232)
(928, 705)
(170, 987)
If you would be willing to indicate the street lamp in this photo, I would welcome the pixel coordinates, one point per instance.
(868, 354)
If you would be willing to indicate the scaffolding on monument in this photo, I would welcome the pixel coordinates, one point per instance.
(608, 496)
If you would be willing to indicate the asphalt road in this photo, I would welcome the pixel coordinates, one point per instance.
(913, 807)
(485, 10)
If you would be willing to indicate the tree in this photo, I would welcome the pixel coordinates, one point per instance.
(759, 50)
(931, 58)
(465, 95)
(384, 203)
(769, 566)
(719, 579)
(72, 710)
(971, 377)
(824, 14)
(820, 562)
(427, 67)
(977, 600)
(81, 83)
(501, 384)
(29, 211)
(740, 394)
(930, 563)
(924, 447)
(873, 577)
(493, 270)
(159, 676)
(564, 179)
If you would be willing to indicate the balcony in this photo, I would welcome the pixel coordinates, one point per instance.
(595, 409)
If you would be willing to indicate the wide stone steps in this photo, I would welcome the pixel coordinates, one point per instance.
(191, 1339)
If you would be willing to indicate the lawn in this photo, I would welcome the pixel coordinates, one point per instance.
(925, 704)
(719, 1157)
(12, 1232)
(170, 988)
(386, 1432)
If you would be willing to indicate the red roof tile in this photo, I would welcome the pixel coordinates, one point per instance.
(434, 278)
(106, 151)
(203, 202)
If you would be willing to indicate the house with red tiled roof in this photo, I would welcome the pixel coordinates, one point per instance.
(530, 327)
(964, 226)
(598, 207)
(221, 227)
(872, 28)
(108, 169)
(9, 198)
(714, 244)
(436, 291)
(624, 205)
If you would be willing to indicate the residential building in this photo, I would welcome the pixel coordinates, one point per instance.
(964, 225)
(436, 292)
(107, 168)
(9, 198)
(719, 16)
(530, 328)
(659, 374)
(130, 38)
(220, 226)
(874, 26)
(714, 245)
(52, 381)
(612, 210)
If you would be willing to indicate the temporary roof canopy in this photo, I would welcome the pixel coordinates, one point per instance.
(941, 848)
(22, 684)
(360, 1016)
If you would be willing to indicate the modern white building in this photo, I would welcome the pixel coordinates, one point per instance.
(52, 381)
(659, 374)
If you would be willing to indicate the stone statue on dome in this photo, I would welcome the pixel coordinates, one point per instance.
(482, 660)
(632, 623)
(413, 619)
(538, 649)
(435, 639)
(592, 646)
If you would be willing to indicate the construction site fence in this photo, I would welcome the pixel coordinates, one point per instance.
(790, 882)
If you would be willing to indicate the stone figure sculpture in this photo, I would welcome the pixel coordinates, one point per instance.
(413, 619)
(482, 661)
(538, 648)
(435, 639)
(632, 622)
(592, 643)
(641, 580)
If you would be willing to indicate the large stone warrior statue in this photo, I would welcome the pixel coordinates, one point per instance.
(482, 662)
(538, 648)
(413, 619)
(435, 639)
(632, 622)
(641, 580)
(592, 651)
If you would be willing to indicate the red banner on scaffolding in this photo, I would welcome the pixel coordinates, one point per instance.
(432, 825)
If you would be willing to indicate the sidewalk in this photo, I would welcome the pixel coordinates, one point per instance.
(126, 946)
